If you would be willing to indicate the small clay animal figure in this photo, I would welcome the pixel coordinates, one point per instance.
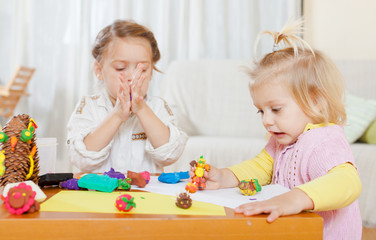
(184, 200)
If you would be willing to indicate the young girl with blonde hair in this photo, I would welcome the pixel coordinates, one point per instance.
(299, 94)
(120, 127)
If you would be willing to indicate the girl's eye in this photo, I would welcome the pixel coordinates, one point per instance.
(276, 109)
(260, 111)
(120, 68)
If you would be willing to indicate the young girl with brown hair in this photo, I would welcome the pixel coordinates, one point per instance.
(121, 127)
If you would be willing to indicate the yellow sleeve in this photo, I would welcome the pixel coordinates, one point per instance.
(337, 189)
(260, 167)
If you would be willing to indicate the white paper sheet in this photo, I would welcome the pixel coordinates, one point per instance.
(229, 197)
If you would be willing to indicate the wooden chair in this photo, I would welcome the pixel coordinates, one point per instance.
(11, 94)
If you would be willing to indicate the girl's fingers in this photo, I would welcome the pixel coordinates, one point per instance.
(273, 216)
(126, 91)
(137, 73)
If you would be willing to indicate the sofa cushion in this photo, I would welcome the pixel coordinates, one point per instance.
(370, 135)
(211, 98)
(360, 114)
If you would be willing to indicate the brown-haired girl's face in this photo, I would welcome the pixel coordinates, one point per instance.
(122, 55)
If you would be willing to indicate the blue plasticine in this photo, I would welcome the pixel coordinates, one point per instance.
(184, 175)
(174, 177)
(101, 183)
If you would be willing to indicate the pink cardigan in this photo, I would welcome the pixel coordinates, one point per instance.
(314, 153)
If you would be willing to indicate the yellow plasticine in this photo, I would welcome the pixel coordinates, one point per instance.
(2, 166)
(31, 167)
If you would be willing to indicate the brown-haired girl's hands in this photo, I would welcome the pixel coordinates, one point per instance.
(123, 104)
(292, 202)
(137, 89)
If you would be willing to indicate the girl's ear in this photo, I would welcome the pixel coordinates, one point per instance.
(98, 70)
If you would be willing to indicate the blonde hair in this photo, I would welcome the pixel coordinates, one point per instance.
(314, 81)
(122, 29)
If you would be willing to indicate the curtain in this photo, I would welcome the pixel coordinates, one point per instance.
(56, 38)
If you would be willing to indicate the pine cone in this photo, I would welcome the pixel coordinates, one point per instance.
(17, 161)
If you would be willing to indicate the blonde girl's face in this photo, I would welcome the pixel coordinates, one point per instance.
(281, 115)
(123, 55)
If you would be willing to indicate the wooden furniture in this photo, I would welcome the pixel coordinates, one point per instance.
(63, 225)
(11, 94)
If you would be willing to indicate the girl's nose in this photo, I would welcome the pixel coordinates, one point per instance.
(267, 119)
(126, 75)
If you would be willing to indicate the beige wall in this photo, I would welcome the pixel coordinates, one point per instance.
(343, 29)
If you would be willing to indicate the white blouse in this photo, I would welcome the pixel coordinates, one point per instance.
(129, 149)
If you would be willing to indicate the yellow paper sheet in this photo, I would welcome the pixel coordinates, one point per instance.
(146, 203)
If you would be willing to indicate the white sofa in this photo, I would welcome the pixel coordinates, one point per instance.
(212, 103)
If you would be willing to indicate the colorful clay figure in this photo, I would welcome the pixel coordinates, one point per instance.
(184, 200)
(2, 166)
(98, 182)
(137, 178)
(113, 174)
(70, 184)
(125, 203)
(21, 199)
(249, 187)
(145, 175)
(19, 159)
(124, 184)
(198, 181)
(174, 177)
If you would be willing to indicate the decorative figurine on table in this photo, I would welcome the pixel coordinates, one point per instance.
(113, 174)
(125, 203)
(124, 184)
(139, 179)
(174, 177)
(70, 184)
(19, 160)
(198, 181)
(21, 199)
(184, 200)
(249, 187)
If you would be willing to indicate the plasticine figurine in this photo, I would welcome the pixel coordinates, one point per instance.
(98, 182)
(2, 166)
(124, 184)
(137, 178)
(114, 174)
(249, 187)
(125, 203)
(199, 181)
(174, 177)
(71, 184)
(184, 200)
(19, 153)
(145, 175)
(21, 199)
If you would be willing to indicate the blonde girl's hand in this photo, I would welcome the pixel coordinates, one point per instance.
(136, 88)
(292, 202)
(213, 177)
(123, 103)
